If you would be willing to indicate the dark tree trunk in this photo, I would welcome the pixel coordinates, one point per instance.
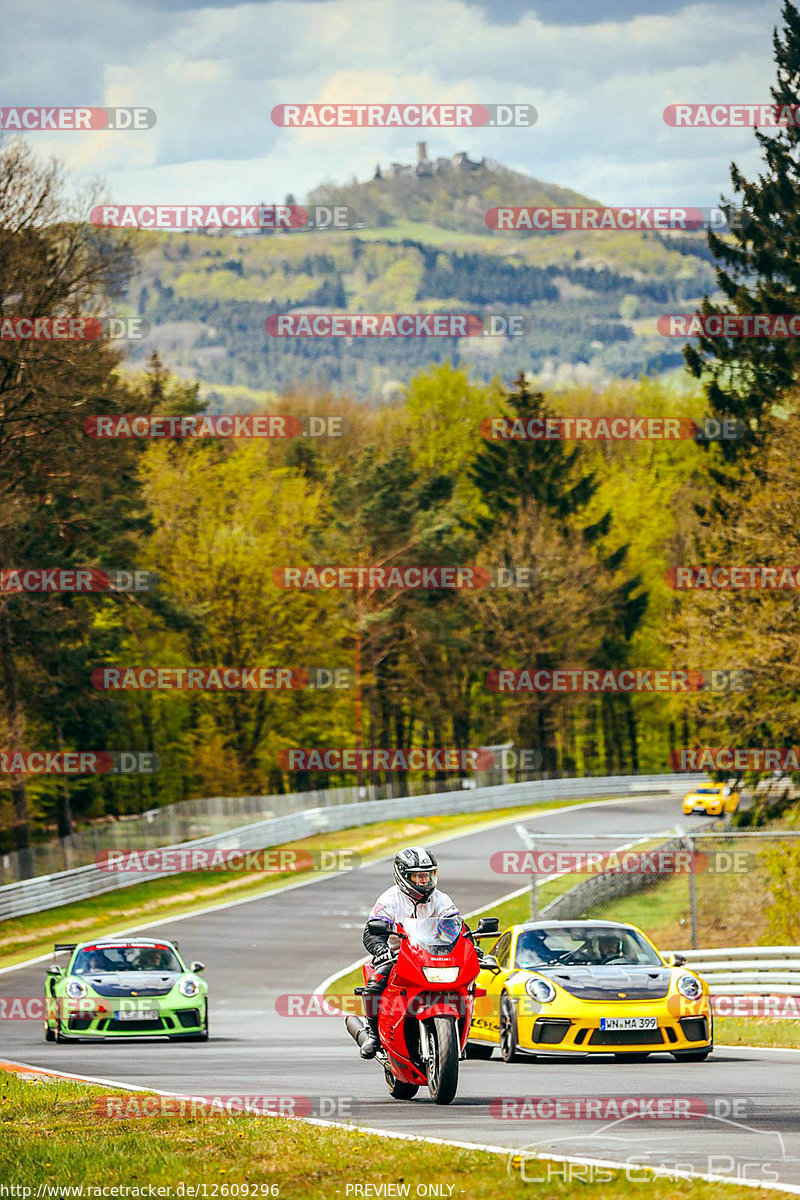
(19, 797)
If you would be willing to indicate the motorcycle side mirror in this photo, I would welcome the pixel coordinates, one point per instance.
(488, 925)
(490, 963)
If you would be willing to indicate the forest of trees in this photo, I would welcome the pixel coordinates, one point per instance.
(411, 482)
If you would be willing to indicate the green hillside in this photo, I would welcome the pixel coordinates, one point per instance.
(591, 299)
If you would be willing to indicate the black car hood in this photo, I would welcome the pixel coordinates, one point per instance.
(126, 983)
(607, 982)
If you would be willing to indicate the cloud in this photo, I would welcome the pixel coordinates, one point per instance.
(213, 74)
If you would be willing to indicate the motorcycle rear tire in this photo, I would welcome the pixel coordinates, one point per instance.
(398, 1089)
(443, 1062)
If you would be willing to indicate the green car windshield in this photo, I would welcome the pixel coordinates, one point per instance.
(92, 960)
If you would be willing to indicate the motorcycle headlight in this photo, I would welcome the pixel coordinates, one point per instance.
(440, 974)
(690, 987)
(189, 987)
(540, 990)
(76, 989)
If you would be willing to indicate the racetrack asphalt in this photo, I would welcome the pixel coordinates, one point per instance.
(290, 940)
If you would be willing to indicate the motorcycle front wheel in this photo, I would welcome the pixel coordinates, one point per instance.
(442, 1065)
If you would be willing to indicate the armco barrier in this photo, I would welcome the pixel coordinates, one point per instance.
(748, 970)
(51, 891)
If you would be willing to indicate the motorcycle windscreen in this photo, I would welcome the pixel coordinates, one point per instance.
(433, 932)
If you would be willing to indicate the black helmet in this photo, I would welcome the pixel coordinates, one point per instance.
(413, 861)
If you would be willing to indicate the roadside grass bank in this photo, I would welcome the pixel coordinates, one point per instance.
(53, 1137)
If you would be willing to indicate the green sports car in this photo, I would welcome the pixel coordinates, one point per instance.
(125, 988)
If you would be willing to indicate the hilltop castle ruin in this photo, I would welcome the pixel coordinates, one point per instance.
(425, 166)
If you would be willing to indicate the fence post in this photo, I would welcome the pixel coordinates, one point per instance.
(529, 843)
(692, 893)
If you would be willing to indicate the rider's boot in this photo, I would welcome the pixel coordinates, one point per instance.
(371, 1044)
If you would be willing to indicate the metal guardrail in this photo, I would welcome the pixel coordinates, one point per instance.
(186, 820)
(748, 970)
(65, 887)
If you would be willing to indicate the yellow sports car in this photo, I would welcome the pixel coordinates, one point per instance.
(587, 987)
(711, 799)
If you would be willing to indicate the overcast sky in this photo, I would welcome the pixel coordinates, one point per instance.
(599, 72)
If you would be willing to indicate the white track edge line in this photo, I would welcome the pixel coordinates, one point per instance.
(395, 1135)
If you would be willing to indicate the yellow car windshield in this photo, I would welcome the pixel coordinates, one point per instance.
(583, 945)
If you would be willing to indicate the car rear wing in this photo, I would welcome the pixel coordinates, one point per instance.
(64, 946)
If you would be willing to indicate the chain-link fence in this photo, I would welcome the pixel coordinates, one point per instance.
(711, 887)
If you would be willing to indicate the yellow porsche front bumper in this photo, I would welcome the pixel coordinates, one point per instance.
(582, 1027)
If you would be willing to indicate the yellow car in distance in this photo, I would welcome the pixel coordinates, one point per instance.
(711, 799)
(582, 988)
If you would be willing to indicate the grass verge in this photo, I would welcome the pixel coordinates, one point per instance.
(753, 1031)
(51, 1135)
(175, 895)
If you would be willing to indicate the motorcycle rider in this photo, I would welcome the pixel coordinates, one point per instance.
(413, 894)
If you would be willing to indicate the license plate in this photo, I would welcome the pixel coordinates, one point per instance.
(137, 1014)
(628, 1023)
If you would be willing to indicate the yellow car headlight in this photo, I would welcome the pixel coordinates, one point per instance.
(540, 990)
(689, 987)
(440, 974)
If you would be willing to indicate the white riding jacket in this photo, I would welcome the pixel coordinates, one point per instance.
(395, 906)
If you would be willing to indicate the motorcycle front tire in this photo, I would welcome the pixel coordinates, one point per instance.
(442, 1066)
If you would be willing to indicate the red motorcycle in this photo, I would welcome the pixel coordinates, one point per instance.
(426, 1007)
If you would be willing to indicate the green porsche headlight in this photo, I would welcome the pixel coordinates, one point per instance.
(189, 987)
(76, 989)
